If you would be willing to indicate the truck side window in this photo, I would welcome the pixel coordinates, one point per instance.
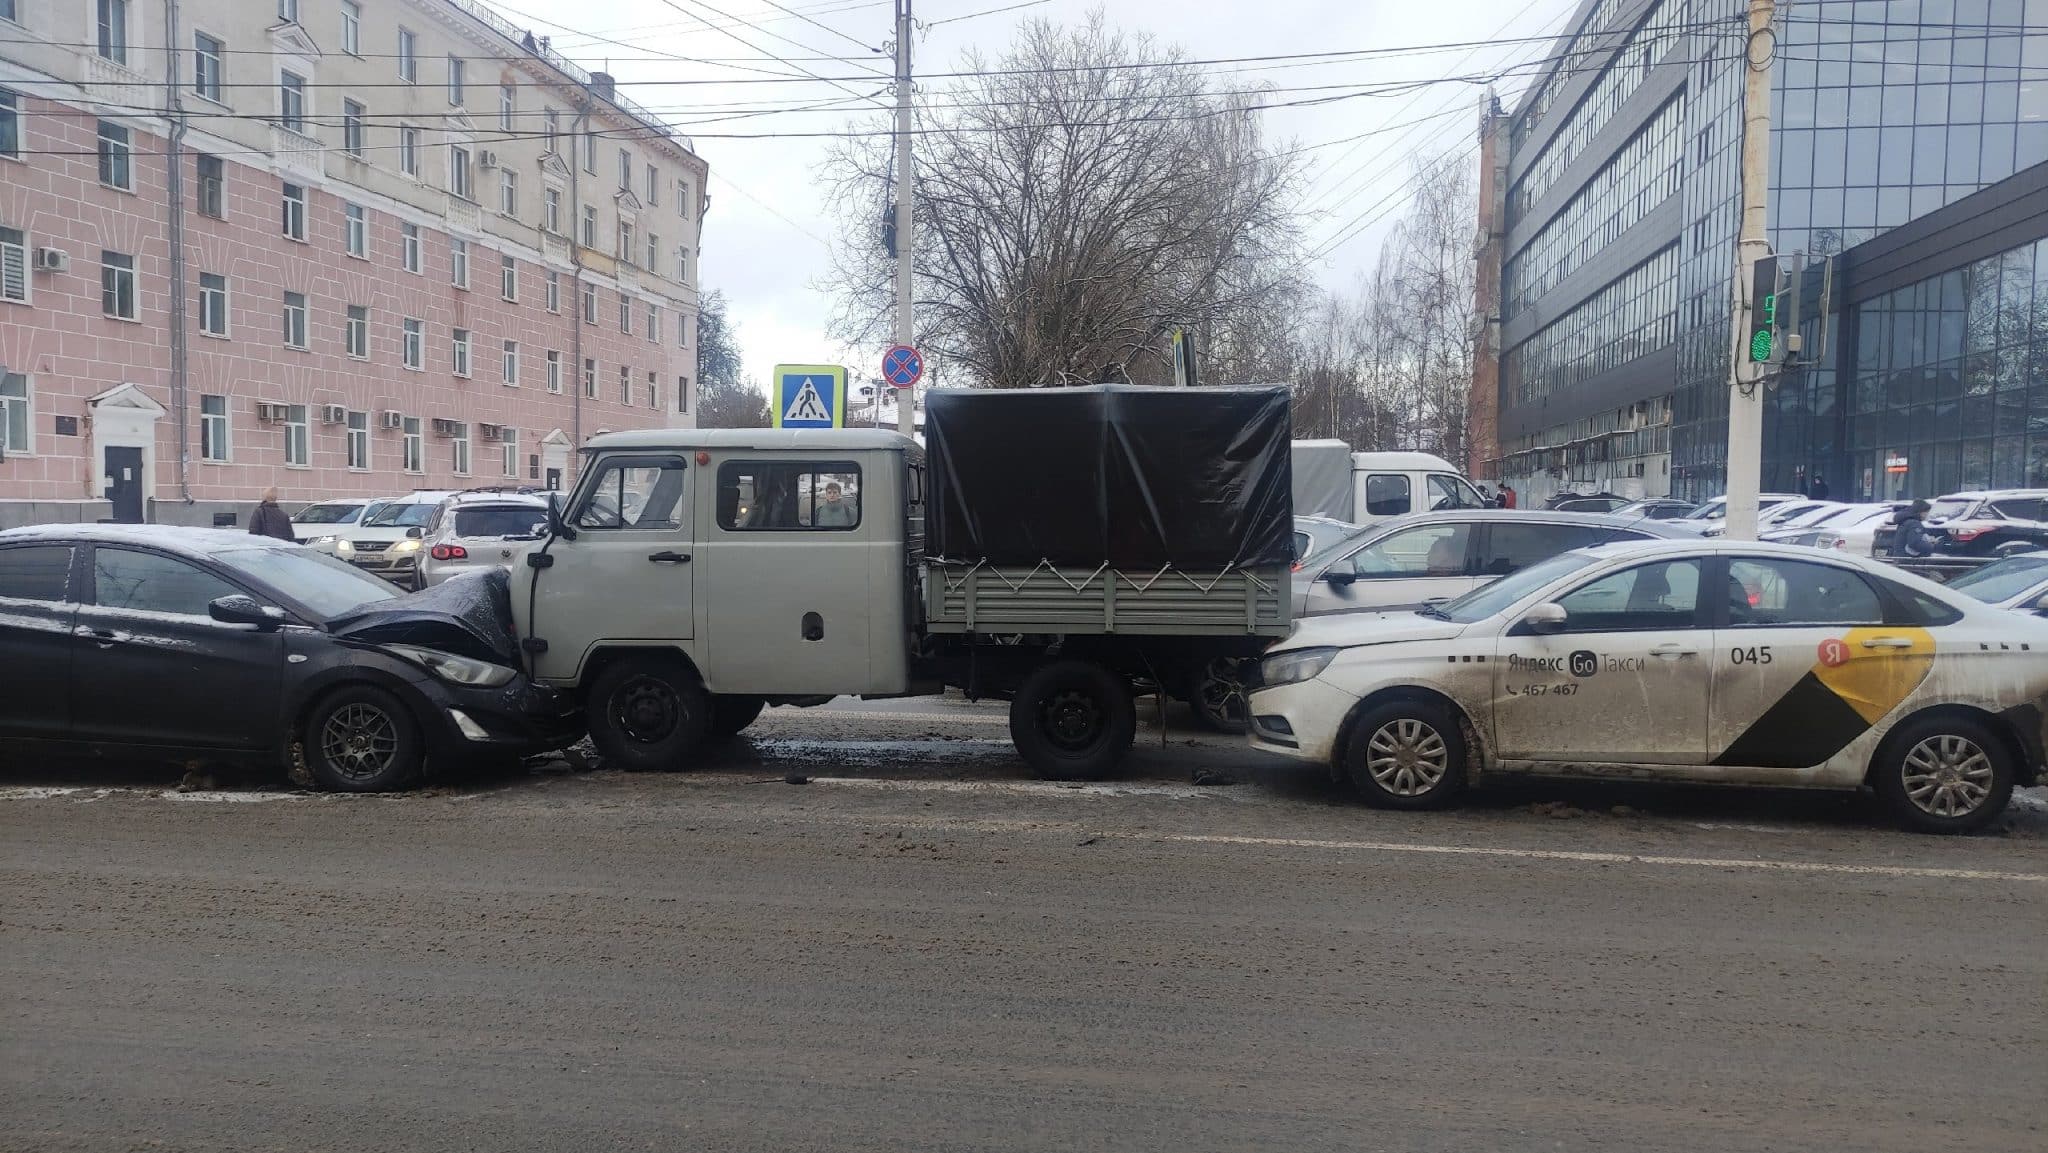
(1451, 492)
(1386, 494)
(788, 496)
(634, 493)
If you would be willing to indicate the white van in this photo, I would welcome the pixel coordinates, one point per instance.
(1363, 487)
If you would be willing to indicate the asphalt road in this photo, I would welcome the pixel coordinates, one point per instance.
(921, 949)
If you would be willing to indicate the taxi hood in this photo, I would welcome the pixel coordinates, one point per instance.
(1348, 630)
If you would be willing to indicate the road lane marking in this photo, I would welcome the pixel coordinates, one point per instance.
(1036, 788)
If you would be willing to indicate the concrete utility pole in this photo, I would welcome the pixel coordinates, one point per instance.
(1745, 394)
(906, 333)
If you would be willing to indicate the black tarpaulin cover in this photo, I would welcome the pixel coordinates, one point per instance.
(470, 616)
(1139, 478)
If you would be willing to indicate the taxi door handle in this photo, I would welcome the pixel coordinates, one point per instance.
(1673, 652)
(1887, 643)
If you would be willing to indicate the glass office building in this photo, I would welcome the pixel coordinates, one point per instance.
(1909, 146)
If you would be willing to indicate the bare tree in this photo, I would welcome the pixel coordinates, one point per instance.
(724, 400)
(1076, 203)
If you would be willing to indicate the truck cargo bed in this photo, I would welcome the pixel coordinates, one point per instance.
(983, 598)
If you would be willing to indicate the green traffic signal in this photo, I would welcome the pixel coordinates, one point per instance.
(1760, 346)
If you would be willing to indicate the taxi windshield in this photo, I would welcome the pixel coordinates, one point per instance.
(1487, 600)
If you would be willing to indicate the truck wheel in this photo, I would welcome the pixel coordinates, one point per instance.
(1072, 720)
(1405, 754)
(647, 714)
(730, 715)
(1217, 694)
(361, 739)
(1943, 774)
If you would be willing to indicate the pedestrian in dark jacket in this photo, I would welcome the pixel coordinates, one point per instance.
(270, 520)
(1818, 490)
(1911, 537)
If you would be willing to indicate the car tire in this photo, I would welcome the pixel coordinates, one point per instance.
(1073, 720)
(361, 739)
(731, 715)
(1216, 692)
(647, 714)
(1948, 774)
(1405, 754)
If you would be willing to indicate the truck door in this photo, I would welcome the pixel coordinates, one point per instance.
(628, 575)
(787, 565)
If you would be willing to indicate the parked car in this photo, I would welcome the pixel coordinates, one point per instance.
(1440, 555)
(1586, 502)
(387, 542)
(322, 524)
(1700, 660)
(1851, 528)
(219, 645)
(2018, 582)
(1313, 534)
(1995, 523)
(472, 531)
(1713, 513)
(1770, 513)
(1657, 508)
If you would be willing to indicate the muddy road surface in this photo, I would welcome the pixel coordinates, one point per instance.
(921, 949)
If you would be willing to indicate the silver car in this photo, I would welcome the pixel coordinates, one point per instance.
(321, 525)
(2017, 582)
(475, 531)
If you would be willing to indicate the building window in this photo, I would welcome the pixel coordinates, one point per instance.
(589, 379)
(653, 323)
(356, 230)
(117, 285)
(213, 428)
(653, 187)
(508, 192)
(683, 264)
(455, 70)
(409, 247)
(298, 448)
(213, 182)
(408, 57)
(625, 171)
(654, 390)
(359, 441)
(10, 125)
(458, 449)
(682, 330)
(590, 152)
(507, 105)
(551, 211)
(589, 226)
(508, 279)
(291, 101)
(16, 428)
(351, 27)
(295, 211)
(508, 439)
(625, 385)
(115, 170)
(625, 314)
(552, 129)
(653, 254)
(554, 292)
(206, 66)
(288, 11)
(683, 199)
(682, 394)
(625, 252)
(213, 304)
(414, 353)
(356, 338)
(460, 351)
(409, 150)
(590, 304)
(295, 321)
(458, 172)
(554, 370)
(512, 363)
(352, 128)
(14, 265)
(458, 262)
(415, 445)
(113, 30)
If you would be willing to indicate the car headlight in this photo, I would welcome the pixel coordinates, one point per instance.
(1295, 665)
(406, 546)
(453, 669)
(343, 547)
(320, 540)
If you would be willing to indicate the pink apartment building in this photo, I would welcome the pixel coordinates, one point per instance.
(419, 250)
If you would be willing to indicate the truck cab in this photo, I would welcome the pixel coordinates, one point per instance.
(1367, 487)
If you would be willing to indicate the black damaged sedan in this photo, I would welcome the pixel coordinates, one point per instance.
(143, 641)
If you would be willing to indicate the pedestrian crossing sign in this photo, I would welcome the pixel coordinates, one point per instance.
(809, 396)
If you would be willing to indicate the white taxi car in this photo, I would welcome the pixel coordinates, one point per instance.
(1685, 660)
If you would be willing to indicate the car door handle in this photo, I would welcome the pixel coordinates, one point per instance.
(1673, 652)
(1887, 643)
(669, 557)
(104, 636)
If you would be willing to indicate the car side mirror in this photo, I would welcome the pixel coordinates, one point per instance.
(1340, 577)
(413, 533)
(236, 609)
(1547, 617)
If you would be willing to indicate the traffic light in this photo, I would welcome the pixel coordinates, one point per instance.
(1763, 312)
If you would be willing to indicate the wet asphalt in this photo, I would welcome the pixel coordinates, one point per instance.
(920, 947)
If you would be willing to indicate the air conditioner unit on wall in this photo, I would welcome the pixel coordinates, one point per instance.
(443, 427)
(53, 260)
(269, 413)
(333, 414)
(393, 418)
(487, 158)
(489, 431)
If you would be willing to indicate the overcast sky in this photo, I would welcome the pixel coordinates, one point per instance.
(765, 238)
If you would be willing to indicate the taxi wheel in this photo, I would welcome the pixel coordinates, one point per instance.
(1405, 754)
(647, 714)
(1946, 773)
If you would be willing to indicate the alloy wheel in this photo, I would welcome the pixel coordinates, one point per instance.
(359, 740)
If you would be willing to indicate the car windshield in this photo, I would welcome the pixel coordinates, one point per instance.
(324, 585)
(1948, 508)
(498, 520)
(408, 515)
(2003, 580)
(1487, 600)
(328, 514)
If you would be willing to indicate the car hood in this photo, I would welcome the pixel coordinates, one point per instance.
(469, 616)
(1349, 630)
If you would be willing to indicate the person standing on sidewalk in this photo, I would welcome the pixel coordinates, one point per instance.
(270, 520)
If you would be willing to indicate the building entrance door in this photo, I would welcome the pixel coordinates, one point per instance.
(123, 474)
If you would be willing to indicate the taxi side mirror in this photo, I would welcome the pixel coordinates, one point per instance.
(1548, 617)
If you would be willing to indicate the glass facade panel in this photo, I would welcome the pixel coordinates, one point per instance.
(1633, 316)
